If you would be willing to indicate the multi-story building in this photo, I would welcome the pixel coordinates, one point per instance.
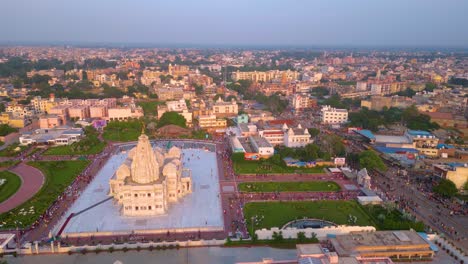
(303, 101)
(98, 111)
(41, 105)
(210, 122)
(331, 115)
(267, 76)
(79, 112)
(13, 121)
(50, 121)
(20, 110)
(424, 142)
(225, 109)
(124, 113)
(178, 70)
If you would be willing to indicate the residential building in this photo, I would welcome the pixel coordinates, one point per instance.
(9, 119)
(41, 105)
(225, 109)
(303, 101)
(50, 121)
(331, 115)
(267, 76)
(124, 113)
(78, 112)
(211, 122)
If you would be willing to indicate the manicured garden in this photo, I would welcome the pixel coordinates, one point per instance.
(9, 184)
(389, 218)
(269, 166)
(59, 175)
(8, 163)
(12, 150)
(123, 131)
(277, 214)
(309, 186)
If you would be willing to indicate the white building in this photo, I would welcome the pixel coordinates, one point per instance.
(225, 109)
(331, 115)
(297, 137)
(302, 101)
(179, 106)
(149, 180)
(55, 136)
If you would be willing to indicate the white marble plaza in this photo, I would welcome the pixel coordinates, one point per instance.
(200, 209)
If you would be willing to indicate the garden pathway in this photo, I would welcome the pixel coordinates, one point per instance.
(32, 180)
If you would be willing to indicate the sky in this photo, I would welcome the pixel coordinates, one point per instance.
(238, 22)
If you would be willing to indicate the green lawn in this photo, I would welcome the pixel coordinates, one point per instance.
(265, 167)
(12, 184)
(8, 163)
(70, 150)
(11, 150)
(123, 131)
(277, 214)
(309, 186)
(59, 175)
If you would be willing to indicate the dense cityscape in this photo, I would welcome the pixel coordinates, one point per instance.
(251, 145)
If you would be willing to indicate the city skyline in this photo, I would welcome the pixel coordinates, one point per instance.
(241, 23)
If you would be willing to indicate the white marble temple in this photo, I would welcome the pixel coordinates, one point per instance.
(200, 209)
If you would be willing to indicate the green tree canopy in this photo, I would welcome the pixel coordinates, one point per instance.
(314, 131)
(172, 118)
(445, 188)
(370, 160)
(6, 129)
(430, 87)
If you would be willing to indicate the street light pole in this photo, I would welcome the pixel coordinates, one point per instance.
(252, 231)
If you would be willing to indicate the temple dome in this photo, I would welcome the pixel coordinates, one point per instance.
(144, 168)
(174, 152)
(123, 172)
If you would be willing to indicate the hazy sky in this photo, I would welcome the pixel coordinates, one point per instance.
(238, 22)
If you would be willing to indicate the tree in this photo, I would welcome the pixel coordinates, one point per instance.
(301, 237)
(314, 131)
(277, 236)
(84, 75)
(6, 129)
(311, 152)
(429, 87)
(408, 92)
(445, 188)
(333, 145)
(198, 89)
(229, 98)
(172, 118)
(217, 96)
(370, 160)
(2, 107)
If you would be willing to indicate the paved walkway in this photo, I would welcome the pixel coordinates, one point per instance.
(32, 180)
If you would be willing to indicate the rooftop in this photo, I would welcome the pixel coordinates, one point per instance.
(419, 133)
(382, 241)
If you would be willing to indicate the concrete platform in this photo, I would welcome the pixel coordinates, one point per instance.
(200, 210)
